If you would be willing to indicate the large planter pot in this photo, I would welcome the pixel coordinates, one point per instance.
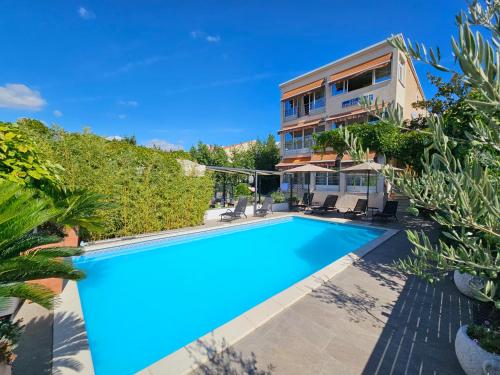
(474, 359)
(5, 369)
(10, 308)
(465, 282)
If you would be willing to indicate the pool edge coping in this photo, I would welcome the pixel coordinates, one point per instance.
(186, 359)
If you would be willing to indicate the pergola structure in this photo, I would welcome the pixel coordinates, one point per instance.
(249, 172)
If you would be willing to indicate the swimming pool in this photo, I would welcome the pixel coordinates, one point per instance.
(144, 301)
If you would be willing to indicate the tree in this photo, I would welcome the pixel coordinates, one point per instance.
(460, 189)
(20, 160)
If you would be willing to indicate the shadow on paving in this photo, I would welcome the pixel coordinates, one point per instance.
(418, 329)
(223, 359)
(44, 359)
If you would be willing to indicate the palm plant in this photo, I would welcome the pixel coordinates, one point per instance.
(22, 211)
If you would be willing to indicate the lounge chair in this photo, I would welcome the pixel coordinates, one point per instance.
(328, 205)
(237, 212)
(307, 200)
(267, 206)
(358, 210)
(390, 210)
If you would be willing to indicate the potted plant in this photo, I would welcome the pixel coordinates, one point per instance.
(478, 348)
(9, 337)
(469, 285)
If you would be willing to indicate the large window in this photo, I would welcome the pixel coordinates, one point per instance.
(297, 139)
(327, 181)
(360, 81)
(308, 138)
(339, 87)
(314, 101)
(359, 182)
(383, 74)
(290, 108)
(288, 141)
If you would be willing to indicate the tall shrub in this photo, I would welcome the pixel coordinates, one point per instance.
(147, 186)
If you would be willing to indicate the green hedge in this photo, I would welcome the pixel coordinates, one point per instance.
(147, 186)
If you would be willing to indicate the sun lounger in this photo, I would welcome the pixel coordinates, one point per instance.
(390, 210)
(358, 210)
(267, 206)
(328, 206)
(238, 211)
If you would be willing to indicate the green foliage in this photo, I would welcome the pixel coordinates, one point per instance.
(242, 189)
(461, 189)
(10, 332)
(21, 211)
(406, 146)
(278, 197)
(145, 189)
(20, 161)
(487, 336)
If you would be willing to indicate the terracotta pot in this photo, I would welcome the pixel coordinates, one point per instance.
(474, 359)
(467, 284)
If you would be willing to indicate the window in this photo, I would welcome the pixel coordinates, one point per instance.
(401, 70)
(290, 107)
(383, 74)
(314, 100)
(327, 181)
(288, 141)
(308, 138)
(358, 182)
(297, 139)
(339, 87)
(360, 81)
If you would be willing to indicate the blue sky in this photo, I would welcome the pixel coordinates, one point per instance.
(175, 72)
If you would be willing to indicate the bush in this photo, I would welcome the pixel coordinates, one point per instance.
(242, 190)
(278, 197)
(147, 186)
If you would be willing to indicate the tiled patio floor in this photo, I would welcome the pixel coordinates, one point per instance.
(369, 319)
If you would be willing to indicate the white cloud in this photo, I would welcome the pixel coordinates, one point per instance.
(57, 113)
(128, 103)
(86, 14)
(17, 95)
(122, 116)
(164, 145)
(207, 37)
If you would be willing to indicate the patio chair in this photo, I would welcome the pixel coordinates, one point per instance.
(238, 211)
(358, 210)
(328, 205)
(267, 206)
(390, 210)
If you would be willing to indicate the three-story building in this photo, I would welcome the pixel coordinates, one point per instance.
(330, 97)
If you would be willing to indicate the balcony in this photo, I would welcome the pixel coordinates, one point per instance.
(316, 106)
(297, 151)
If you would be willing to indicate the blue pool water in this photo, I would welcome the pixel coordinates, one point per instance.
(143, 302)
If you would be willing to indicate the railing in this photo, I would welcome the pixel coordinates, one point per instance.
(314, 107)
(297, 151)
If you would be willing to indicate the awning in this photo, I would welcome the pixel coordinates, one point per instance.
(300, 125)
(327, 157)
(372, 64)
(302, 89)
